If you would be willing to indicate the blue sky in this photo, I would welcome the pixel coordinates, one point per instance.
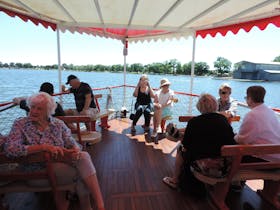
(26, 43)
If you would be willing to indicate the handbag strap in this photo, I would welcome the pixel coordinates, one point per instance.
(131, 106)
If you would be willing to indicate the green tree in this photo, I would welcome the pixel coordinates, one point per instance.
(201, 68)
(174, 65)
(222, 66)
(277, 59)
(136, 67)
(187, 67)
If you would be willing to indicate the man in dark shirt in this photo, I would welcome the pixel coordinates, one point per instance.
(84, 98)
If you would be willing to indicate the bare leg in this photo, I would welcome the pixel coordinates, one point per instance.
(178, 167)
(85, 202)
(93, 187)
(157, 118)
(60, 200)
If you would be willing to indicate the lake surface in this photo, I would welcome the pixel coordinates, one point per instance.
(16, 82)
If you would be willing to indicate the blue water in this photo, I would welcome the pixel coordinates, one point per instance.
(16, 82)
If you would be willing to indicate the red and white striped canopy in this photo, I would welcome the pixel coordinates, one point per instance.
(139, 20)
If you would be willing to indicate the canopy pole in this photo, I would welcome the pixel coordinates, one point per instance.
(192, 72)
(125, 46)
(59, 61)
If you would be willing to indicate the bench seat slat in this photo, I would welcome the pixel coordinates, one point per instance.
(268, 171)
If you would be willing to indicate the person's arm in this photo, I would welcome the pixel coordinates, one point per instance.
(64, 89)
(23, 105)
(136, 90)
(152, 93)
(233, 108)
(14, 146)
(88, 99)
(247, 131)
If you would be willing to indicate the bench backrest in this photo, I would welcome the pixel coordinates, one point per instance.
(188, 118)
(76, 120)
(96, 97)
(238, 151)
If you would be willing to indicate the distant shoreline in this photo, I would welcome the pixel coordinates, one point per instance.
(240, 80)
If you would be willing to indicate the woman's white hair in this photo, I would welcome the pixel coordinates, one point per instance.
(39, 97)
(207, 104)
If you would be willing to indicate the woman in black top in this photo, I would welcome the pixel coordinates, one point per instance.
(204, 136)
(143, 104)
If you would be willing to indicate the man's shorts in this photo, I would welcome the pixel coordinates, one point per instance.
(90, 112)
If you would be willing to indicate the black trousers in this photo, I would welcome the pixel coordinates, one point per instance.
(142, 109)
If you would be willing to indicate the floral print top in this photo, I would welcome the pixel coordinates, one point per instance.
(25, 133)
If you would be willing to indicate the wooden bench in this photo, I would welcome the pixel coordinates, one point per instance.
(268, 171)
(187, 118)
(83, 137)
(103, 115)
(12, 179)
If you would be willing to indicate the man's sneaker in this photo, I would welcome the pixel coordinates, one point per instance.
(133, 130)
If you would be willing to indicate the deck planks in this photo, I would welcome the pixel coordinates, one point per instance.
(130, 171)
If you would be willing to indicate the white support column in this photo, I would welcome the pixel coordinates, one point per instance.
(125, 46)
(192, 72)
(59, 61)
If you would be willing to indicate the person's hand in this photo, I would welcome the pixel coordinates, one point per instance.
(75, 153)
(157, 105)
(84, 112)
(227, 114)
(17, 100)
(63, 88)
(53, 150)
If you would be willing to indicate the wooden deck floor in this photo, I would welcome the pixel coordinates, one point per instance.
(130, 171)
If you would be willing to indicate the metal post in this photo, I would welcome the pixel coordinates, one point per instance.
(123, 109)
(192, 72)
(59, 61)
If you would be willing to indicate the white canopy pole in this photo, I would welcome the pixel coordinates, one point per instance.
(59, 61)
(192, 72)
(125, 43)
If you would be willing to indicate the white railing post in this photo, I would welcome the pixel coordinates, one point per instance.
(123, 109)
(192, 72)
(59, 62)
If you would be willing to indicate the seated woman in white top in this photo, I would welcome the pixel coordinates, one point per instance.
(162, 104)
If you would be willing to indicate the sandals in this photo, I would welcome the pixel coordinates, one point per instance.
(168, 181)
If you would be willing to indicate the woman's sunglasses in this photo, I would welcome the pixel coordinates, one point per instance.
(224, 92)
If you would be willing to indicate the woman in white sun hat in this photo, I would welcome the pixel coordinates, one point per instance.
(162, 104)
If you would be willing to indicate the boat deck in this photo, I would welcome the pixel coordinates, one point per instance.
(130, 171)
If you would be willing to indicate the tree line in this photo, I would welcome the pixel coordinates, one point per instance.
(222, 67)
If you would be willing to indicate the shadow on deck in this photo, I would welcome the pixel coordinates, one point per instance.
(130, 171)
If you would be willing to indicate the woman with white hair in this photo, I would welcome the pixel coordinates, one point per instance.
(39, 132)
(203, 138)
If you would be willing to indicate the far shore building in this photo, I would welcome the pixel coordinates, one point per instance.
(257, 71)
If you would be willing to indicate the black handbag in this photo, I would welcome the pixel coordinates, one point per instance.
(131, 116)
